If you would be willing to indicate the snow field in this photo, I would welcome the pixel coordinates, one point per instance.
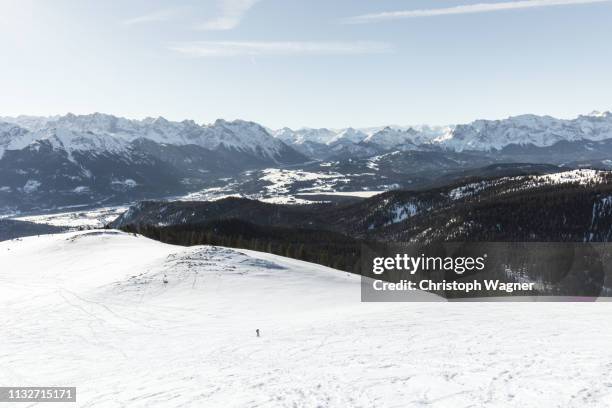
(91, 310)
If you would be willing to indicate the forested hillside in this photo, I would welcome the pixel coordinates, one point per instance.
(574, 206)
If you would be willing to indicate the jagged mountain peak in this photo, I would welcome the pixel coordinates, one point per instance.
(241, 124)
(99, 130)
(348, 135)
(390, 138)
(525, 130)
(479, 135)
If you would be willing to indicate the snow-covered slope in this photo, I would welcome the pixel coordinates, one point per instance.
(95, 309)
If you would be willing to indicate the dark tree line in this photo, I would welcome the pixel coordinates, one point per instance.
(317, 246)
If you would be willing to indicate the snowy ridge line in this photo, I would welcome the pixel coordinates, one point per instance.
(106, 133)
(100, 132)
(479, 135)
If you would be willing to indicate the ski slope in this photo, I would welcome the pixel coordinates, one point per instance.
(91, 310)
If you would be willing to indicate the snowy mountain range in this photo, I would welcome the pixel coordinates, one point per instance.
(98, 133)
(540, 131)
(480, 135)
(106, 133)
(48, 162)
(327, 144)
(74, 160)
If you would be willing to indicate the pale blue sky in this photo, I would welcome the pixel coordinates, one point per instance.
(317, 63)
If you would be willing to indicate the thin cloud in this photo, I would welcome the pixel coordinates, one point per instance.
(153, 17)
(465, 9)
(211, 49)
(231, 13)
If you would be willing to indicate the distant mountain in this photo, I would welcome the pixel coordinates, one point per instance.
(349, 135)
(70, 160)
(539, 131)
(106, 133)
(324, 144)
(305, 135)
(338, 144)
(389, 139)
(503, 137)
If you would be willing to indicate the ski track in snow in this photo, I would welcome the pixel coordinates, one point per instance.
(91, 310)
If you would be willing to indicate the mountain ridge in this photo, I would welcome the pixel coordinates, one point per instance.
(71, 132)
(72, 159)
(482, 135)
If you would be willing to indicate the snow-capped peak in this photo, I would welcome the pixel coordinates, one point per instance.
(348, 135)
(486, 135)
(243, 135)
(390, 138)
(102, 132)
(304, 135)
